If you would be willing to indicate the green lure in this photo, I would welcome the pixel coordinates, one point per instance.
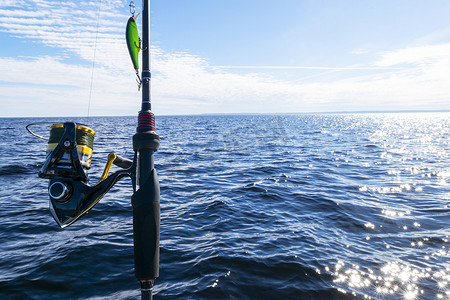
(133, 41)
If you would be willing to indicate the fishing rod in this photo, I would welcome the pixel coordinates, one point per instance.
(69, 155)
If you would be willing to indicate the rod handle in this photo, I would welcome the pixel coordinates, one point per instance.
(146, 223)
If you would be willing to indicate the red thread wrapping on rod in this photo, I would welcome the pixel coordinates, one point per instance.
(146, 121)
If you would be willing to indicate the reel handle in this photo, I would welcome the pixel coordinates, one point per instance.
(122, 162)
(119, 161)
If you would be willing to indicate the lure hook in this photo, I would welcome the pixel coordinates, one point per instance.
(138, 81)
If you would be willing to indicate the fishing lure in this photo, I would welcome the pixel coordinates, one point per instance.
(133, 42)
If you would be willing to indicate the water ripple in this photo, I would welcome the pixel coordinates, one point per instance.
(338, 206)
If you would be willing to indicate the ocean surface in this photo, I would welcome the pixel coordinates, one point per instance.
(310, 206)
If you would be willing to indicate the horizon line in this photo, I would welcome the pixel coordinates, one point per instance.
(255, 113)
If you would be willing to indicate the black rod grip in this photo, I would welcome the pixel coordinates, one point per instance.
(123, 162)
(146, 223)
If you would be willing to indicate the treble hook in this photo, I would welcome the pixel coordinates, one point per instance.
(138, 81)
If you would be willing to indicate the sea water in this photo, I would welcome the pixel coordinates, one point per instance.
(309, 206)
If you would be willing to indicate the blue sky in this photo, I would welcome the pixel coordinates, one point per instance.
(226, 56)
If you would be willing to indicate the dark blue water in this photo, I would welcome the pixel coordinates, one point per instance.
(338, 206)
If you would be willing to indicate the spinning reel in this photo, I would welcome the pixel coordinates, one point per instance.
(69, 154)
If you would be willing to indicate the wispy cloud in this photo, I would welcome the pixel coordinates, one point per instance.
(308, 68)
(69, 25)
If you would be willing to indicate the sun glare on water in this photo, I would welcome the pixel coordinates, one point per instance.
(394, 278)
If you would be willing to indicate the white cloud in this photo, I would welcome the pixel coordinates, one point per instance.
(183, 83)
(424, 85)
(11, 3)
(306, 68)
(359, 51)
(50, 87)
(416, 55)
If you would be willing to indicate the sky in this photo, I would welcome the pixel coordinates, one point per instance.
(69, 58)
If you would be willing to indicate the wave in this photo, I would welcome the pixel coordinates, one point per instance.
(16, 169)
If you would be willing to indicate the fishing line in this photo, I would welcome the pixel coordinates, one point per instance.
(84, 136)
(84, 139)
(93, 62)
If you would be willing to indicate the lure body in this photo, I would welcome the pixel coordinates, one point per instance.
(133, 42)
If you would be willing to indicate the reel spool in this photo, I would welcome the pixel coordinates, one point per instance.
(69, 150)
(84, 144)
